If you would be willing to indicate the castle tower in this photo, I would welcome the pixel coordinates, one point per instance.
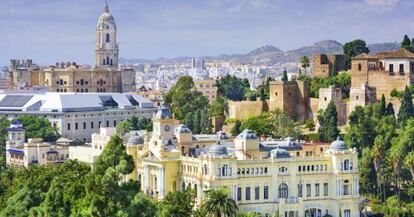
(106, 51)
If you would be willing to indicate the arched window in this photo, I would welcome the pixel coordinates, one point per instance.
(107, 38)
(346, 164)
(111, 63)
(103, 61)
(205, 169)
(107, 60)
(283, 191)
(82, 81)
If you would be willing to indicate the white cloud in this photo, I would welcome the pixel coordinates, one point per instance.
(381, 3)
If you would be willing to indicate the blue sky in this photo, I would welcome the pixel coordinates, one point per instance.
(54, 30)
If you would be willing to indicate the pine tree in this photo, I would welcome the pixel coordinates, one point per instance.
(406, 110)
(406, 43)
(328, 130)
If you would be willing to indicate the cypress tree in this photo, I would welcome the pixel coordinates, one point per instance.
(406, 43)
(262, 94)
(328, 130)
(382, 106)
(390, 109)
(406, 110)
(197, 122)
(285, 76)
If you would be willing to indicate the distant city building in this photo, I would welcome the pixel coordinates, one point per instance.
(207, 87)
(77, 115)
(105, 76)
(35, 151)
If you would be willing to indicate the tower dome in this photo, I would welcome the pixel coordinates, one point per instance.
(338, 145)
(106, 18)
(217, 150)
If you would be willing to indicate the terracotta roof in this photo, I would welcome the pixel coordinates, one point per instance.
(364, 56)
(401, 53)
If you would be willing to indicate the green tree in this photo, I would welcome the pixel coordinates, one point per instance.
(124, 127)
(37, 127)
(232, 88)
(112, 156)
(281, 126)
(328, 130)
(217, 203)
(285, 76)
(352, 49)
(406, 109)
(142, 206)
(20, 203)
(361, 132)
(367, 172)
(219, 107)
(236, 128)
(177, 204)
(182, 98)
(390, 109)
(304, 62)
(406, 43)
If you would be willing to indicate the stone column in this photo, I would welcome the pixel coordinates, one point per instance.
(146, 179)
(161, 182)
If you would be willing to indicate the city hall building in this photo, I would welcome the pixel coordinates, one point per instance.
(282, 177)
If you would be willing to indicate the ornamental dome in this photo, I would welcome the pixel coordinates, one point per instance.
(182, 129)
(163, 113)
(247, 134)
(338, 145)
(135, 140)
(106, 19)
(279, 153)
(217, 150)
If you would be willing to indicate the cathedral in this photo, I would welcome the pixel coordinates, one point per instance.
(104, 76)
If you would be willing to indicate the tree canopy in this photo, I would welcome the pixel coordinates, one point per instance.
(233, 88)
(352, 49)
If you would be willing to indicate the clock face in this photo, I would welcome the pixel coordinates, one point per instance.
(167, 128)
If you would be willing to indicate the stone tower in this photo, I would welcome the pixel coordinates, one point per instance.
(106, 51)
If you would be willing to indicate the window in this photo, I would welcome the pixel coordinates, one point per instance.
(401, 68)
(107, 123)
(347, 213)
(114, 123)
(68, 126)
(346, 190)
(283, 191)
(325, 189)
(346, 164)
(224, 170)
(205, 168)
(391, 66)
(239, 193)
(91, 125)
(256, 193)
(317, 190)
(359, 67)
(299, 168)
(76, 125)
(266, 192)
(247, 193)
(107, 38)
(308, 190)
(84, 125)
(300, 190)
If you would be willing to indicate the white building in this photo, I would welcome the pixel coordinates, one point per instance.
(35, 151)
(77, 115)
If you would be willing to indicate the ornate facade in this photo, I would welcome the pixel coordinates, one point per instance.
(281, 177)
(105, 75)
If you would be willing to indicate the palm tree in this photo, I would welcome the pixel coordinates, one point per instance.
(304, 62)
(217, 203)
(378, 158)
(396, 161)
(219, 107)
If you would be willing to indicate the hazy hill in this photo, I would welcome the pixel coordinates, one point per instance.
(270, 54)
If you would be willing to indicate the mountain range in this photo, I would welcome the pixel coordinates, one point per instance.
(270, 54)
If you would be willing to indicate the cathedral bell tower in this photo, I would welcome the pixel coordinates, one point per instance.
(106, 51)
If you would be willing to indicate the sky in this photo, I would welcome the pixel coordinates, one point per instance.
(49, 31)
